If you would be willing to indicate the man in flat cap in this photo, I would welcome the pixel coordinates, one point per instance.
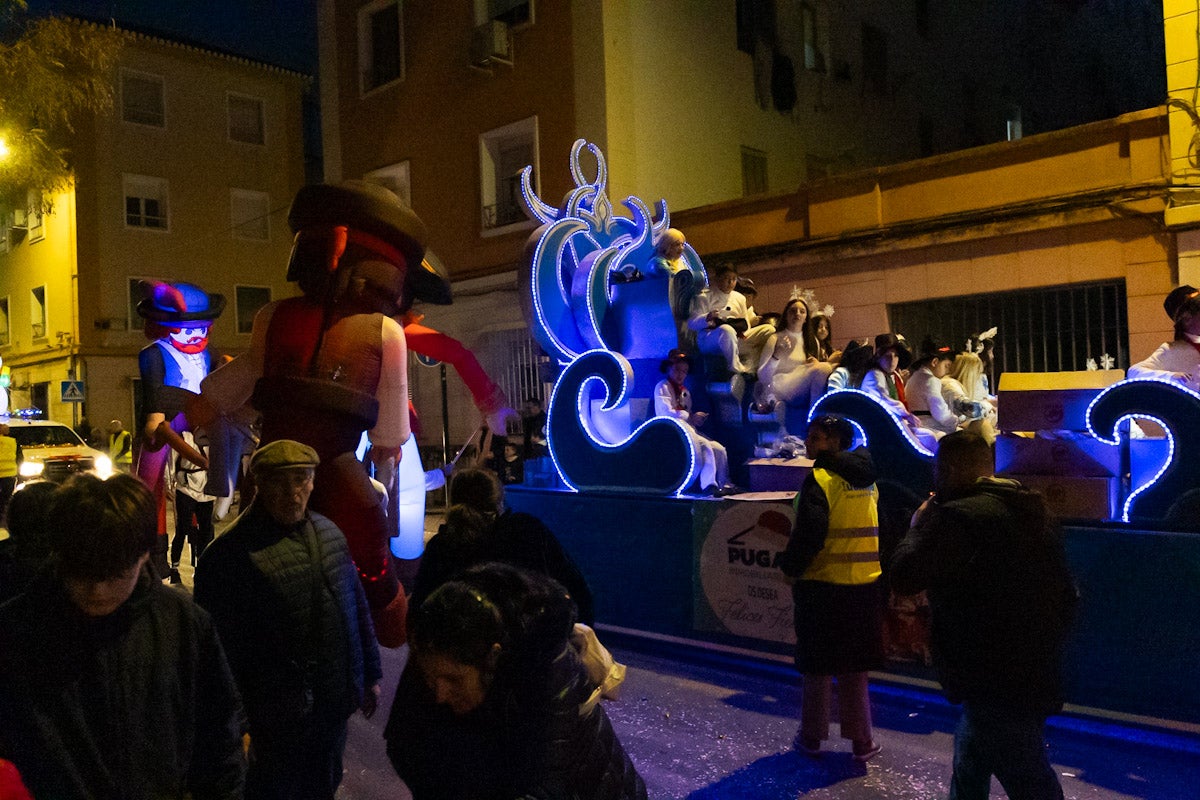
(287, 603)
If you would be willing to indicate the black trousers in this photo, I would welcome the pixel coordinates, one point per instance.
(194, 523)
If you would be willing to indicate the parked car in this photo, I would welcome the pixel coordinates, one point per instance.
(53, 452)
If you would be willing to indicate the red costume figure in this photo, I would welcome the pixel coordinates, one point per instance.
(327, 366)
(178, 318)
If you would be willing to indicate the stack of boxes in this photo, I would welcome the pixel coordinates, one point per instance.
(1045, 444)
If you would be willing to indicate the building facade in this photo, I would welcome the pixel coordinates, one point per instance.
(808, 143)
(189, 179)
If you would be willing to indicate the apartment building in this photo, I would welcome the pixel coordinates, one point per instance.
(189, 179)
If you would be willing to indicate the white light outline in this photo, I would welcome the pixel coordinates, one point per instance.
(913, 442)
(561, 349)
(1132, 416)
(582, 401)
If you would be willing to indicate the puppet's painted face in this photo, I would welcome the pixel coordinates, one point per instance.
(189, 340)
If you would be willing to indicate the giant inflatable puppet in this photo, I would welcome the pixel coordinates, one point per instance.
(327, 366)
(178, 317)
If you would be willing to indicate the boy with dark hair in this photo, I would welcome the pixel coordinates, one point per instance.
(721, 320)
(833, 555)
(112, 684)
(1002, 597)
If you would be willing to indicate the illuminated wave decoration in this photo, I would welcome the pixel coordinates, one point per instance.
(1177, 410)
(570, 259)
(592, 307)
(658, 457)
(899, 458)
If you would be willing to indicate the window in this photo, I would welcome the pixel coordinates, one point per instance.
(875, 60)
(513, 13)
(754, 171)
(37, 312)
(1039, 330)
(395, 178)
(145, 202)
(250, 214)
(5, 323)
(142, 99)
(380, 44)
(814, 59)
(248, 300)
(749, 16)
(503, 153)
(245, 119)
(37, 230)
(5, 229)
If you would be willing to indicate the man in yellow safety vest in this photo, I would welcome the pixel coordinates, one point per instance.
(833, 555)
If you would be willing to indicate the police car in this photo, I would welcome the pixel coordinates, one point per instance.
(54, 452)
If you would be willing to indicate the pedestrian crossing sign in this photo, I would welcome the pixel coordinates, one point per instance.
(72, 391)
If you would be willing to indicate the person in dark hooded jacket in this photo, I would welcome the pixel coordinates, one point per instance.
(833, 554)
(111, 684)
(1002, 598)
(495, 703)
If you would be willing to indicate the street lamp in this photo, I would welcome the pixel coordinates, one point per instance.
(3, 149)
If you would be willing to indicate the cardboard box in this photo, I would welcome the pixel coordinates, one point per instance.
(778, 474)
(1071, 497)
(1037, 401)
(1081, 456)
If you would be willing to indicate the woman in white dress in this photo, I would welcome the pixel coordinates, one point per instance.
(789, 373)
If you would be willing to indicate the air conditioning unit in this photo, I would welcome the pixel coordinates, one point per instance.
(491, 43)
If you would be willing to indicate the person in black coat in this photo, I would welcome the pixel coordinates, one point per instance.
(988, 554)
(479, 529)
(495, 703)
(833, 556)
(111, 684)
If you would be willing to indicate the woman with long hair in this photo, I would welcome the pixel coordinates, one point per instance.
(790, 374)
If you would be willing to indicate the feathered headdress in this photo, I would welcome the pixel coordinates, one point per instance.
(975, 344)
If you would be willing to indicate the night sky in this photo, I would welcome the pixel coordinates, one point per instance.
(281, 32)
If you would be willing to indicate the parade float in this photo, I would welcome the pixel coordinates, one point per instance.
(669, 564)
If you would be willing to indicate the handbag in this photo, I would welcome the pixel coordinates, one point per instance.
(605, 672)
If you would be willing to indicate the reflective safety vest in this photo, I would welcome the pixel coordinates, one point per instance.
(119, 449)
(851, 551)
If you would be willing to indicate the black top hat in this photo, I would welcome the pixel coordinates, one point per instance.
(892, 341)
(1175, 300)
(674, 356)
(930, 350)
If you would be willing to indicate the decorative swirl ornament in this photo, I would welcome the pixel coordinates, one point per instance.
(1177, 410)
(657, 458)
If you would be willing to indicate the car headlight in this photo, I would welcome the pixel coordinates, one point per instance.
(102, 466)
(31, 469)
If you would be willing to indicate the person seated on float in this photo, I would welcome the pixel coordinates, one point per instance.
(672, 399)
(668, 262)
(496, 702)
(1177, 361)
(720, 319)
(964, 390)
(822, 327)
(924, 388)
(855, 360)
(883, 378)
(790, 374)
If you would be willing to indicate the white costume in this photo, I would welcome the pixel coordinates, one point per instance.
(789, 378)
(1177, 362)
(742, 351)
(924, 394)
(714, 461)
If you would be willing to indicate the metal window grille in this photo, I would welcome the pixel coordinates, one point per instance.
(1038, 330)
(522, 368)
